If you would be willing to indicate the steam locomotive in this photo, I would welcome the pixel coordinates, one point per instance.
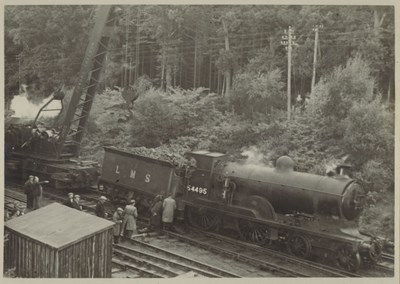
(310, 215)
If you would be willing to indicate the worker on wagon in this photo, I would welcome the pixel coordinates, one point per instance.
(76, 202)
(100, 209)
(130, 216)
(155, 213)
(37, 193)
(169, 206)
(118, 218)
(28, 189)
(70, 201)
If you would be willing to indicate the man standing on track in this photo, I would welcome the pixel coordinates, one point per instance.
(130, 216)
(117, 218)
(169, 206)
(37, 193)
(100, 209)
(28, 189)
(155, 213)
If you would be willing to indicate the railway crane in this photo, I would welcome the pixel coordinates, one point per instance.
(53, 153)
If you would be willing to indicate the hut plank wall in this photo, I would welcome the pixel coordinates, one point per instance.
(87, 256)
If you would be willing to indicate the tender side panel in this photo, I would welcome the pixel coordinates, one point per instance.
(136, 172)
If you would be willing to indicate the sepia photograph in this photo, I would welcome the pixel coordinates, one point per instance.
(199, 141)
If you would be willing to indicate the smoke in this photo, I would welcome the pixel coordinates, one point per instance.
(26, 109)
(254, 156)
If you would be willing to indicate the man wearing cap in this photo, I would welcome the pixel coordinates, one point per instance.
(76, 203)
(70, 201)
(100, 209)
(130, 216)
(117, 218)
(28, 189)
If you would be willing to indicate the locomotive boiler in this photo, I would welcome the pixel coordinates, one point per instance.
(309, 215)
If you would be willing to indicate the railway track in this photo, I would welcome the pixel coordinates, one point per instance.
(166, 264)
(284, 257)
(278, 263)
(270, 260)
(388, 257)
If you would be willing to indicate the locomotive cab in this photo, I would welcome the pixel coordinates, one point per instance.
(199, 174)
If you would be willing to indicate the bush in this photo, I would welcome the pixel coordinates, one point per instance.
(376, 176)
(257, 93)
(368, 131)
(161, 117)
(335, 94)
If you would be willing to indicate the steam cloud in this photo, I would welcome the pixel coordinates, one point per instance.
(254, 156)
(24, 108)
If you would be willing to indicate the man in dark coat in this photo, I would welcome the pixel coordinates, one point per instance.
(155, 213)
(70, 201)
(28, 189)
(100, 209)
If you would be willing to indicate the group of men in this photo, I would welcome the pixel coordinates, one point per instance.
(161, 211)
(33, 190)
(73, 201)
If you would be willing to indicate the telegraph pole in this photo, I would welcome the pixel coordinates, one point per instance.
(316, 30)
(288, 41)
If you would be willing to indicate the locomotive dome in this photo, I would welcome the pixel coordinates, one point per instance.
(285, 163)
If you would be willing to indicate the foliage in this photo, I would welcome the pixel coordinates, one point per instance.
(369, 131)
(176, 43)
(50, 42)
(159, 117)
(376, 176)
(257, 93)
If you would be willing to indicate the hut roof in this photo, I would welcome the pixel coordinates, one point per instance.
(57, 225)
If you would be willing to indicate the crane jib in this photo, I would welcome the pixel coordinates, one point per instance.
(87, 83)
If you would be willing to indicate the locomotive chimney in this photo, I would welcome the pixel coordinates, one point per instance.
(344, 170)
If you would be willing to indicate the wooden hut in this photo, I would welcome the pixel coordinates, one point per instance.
(59, 242)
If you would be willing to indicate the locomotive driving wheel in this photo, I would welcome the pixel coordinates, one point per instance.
(203, 218)
(299, 246)
(253, 232)
(348, 259)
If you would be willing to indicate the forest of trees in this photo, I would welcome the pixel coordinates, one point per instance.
(197, 46)
(215, 77)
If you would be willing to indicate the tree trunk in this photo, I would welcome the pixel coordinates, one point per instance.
(180, 71)
(227, 79)
(223, 86)
(195, 64)
(168, 76)
(162, 75)
(219, 82)
(389, 90)
(210, 75)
